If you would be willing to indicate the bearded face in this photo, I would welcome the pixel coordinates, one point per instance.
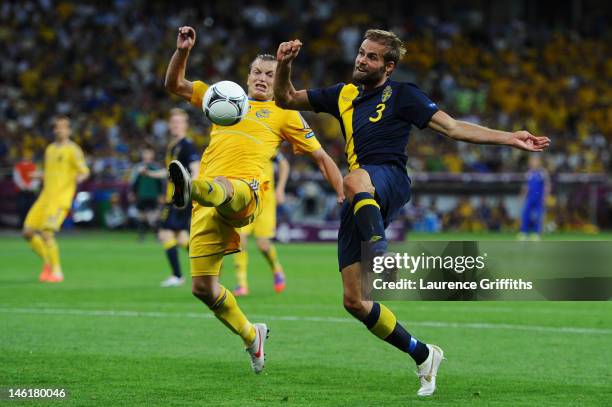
(370, 67)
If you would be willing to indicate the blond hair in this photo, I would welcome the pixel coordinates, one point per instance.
(262, 57)
(395, 46)
(177, 111)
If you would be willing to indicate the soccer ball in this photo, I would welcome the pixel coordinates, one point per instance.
(225, 103)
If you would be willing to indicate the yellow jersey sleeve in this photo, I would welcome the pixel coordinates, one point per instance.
(199, 89)
(297, 131)
(79, 161)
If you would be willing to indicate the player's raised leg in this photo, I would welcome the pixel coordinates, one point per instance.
(221, 301)
(205, 192)
(382, 322)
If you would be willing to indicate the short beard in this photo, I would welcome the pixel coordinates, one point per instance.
(372, 78)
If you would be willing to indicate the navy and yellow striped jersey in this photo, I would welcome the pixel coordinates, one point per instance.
(375, 124)
(184, 151)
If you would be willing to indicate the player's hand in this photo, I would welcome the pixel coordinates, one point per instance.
(287, 51)
(280, 196)
(340, 199)
(186, 38)
(524, 140)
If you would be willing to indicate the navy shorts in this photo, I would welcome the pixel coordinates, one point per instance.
(392, 192)
(175, 219)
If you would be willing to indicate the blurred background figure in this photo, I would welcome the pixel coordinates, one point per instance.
(147, 191)
(501, 64)
(27, 181)
(174, 224)
(115, 217)
(533, 196)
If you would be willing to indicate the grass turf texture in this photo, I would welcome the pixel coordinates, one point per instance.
(111, 336)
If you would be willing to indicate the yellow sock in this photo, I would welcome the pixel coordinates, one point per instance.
(272, 258)
(227, 311)
(385, 323)
(241, 260)
(208, 193)
(40, 248)
(54, 257)
(243, 195)
(169, 244)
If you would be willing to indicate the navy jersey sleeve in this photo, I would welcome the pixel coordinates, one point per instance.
(325, 99)
(188, 153)
(415, 106)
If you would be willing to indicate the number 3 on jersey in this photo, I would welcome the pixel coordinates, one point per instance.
(379, 112)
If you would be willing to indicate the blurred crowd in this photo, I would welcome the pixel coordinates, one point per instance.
(103, 64)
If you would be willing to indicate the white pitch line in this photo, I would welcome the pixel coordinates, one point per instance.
(203, 315)
(311, 307)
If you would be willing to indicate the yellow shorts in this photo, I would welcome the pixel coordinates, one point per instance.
(45, 215)
(265, 224)
(213, 230)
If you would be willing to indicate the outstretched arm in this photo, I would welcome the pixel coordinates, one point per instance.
(175, 81)
(330, 171)
(473, 133)
(285, 94)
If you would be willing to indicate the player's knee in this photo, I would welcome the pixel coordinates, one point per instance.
(27, 234)
(47, 235)
(263, 244)
(164, 235)
(353, 305)
(229, 188)
(203, 292)
(182, 239)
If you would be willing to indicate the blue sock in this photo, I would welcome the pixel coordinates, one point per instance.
(172, 255)
(369, 222)
(382, 323)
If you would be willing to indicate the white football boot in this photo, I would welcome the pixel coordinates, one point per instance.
(256, 350)
(428, 370)
(172, 281)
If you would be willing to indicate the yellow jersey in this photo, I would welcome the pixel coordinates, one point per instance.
(245, 149)
(63, 163)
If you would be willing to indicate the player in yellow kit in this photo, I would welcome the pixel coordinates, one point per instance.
(64, 168)
(229, 189)
(264, 229)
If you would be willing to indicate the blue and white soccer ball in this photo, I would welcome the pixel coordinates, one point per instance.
(225, 103)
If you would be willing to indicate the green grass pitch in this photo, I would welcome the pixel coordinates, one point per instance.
(110, 336)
